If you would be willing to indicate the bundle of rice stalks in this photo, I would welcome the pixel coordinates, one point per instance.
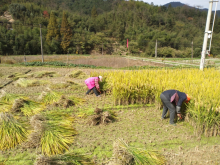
(30, 83)
(33, 140)
(78, 74)
(31, 107)
(49, 97)
(66, 102)
(9, 98)
(12, 133)
(138, 156)
(73, 85)
(101, 117)
(38, 123)
(121, 155)
(5, 107)
(72, 158)
(42, 160)
(58, 134)
(17, 105)
(17, 75)
(54, 142)
(61, 121)
(44, 74)
(2, 93)
(27, 107)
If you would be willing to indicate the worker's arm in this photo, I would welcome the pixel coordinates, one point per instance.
(178, 109)
(97, 85)
(178, 112)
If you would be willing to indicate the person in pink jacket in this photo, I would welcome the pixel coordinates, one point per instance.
(93, 84)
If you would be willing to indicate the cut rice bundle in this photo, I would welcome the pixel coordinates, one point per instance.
(12, 133)
(30, 83)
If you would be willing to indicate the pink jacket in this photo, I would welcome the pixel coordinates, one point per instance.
(92, 82)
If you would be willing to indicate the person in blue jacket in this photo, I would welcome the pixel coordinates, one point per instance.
(172, 100)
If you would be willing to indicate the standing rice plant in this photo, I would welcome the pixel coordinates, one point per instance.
(204, 118)
(12, 132)
(141, 156)
(147, 85)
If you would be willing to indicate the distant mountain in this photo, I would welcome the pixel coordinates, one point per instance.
(179, 4)
(174, 4)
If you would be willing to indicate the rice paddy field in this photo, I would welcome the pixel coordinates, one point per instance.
(46, 118)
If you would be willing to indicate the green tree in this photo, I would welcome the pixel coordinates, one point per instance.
(52, 29)
(94, 13)
(66, 33)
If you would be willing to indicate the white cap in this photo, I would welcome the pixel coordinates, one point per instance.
(100, 77)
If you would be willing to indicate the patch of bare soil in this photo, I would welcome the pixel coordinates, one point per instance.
(143, 128)
(114, 62)
(97, 60)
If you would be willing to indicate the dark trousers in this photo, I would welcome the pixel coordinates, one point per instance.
(168, 105)
(94, 90)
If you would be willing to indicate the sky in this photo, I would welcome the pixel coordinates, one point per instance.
(193, 3)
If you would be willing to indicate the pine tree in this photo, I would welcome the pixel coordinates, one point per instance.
(66, 33)
(52, 29)
(94, 13)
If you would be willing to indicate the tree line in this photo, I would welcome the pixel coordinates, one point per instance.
(96, 25)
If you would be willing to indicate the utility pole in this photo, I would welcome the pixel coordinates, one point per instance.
(41, 45)
(68, 58)
(25, 59)
(212, 28)
(156, 50)
(192, 49)
(202, 62)
(102, 48)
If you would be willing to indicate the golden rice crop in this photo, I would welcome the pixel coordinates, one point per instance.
(12, 132)
(147, 85)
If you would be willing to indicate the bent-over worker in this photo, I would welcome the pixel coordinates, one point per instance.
(93, 84)
(172, 100)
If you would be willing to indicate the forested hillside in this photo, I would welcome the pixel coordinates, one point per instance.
(81, 26)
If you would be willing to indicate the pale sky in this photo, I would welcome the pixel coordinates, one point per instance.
(193, 3)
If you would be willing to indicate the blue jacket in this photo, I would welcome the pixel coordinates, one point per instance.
(182, 96)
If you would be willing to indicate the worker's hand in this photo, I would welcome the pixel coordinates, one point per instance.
(99, 90)
(179, 115)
